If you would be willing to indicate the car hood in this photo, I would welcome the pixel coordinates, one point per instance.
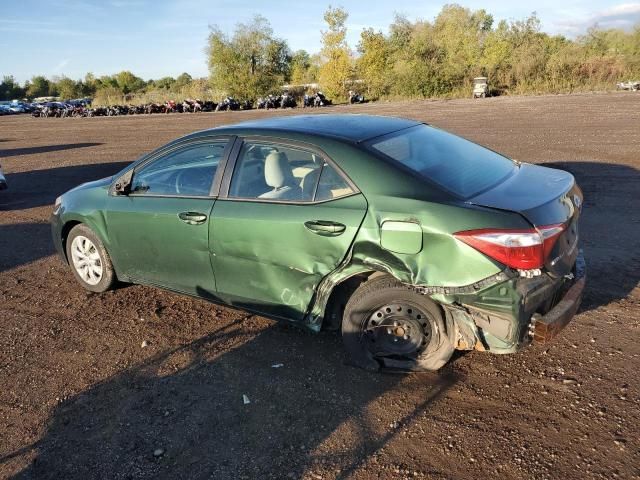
(103, 182)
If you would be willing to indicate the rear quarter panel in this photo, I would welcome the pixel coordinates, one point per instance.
(396, 195)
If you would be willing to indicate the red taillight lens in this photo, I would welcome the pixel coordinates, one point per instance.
(521, 249)
(550, 235)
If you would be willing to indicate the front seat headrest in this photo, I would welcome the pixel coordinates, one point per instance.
(277, 171)
(309, 183)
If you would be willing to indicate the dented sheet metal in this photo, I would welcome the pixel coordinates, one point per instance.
(270, 262)
(443, 266)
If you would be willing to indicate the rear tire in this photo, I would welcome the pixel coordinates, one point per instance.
(386, 324)
(89, 260)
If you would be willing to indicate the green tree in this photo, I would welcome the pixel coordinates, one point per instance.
(300, 66)
(38, 87)
(336, 68)
(128, 82)
(251, 63)
(459, 33)
(106, 81)
(373, 62)
(10, 89)
(68, 89)
(496, 55)
(182, 81)
(165, 83)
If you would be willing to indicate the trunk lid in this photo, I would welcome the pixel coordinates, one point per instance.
(544, 196)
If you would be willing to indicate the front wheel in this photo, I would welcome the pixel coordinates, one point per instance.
(89, 260)
(385, 324)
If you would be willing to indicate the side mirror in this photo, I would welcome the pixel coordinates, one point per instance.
(123, 183)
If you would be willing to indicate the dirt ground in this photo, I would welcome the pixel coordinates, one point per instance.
(81, 398)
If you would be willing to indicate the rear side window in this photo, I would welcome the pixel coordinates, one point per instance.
(273, 172)
(458, 165)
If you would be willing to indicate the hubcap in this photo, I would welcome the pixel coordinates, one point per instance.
(86, 260)
(397, 329)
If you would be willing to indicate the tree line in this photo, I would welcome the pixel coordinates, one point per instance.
(414, 59)
(106, 89)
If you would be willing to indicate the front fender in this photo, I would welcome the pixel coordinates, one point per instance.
(81, 206)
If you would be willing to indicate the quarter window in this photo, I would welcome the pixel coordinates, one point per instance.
(331, 185)
(282, 173)
(185, 172)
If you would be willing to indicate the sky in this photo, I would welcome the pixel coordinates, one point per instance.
(156, 38)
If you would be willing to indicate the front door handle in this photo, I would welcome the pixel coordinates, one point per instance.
(325, 227)
(192, 218)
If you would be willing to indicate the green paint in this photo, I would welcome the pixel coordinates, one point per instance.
(260, 256)
(401, 237)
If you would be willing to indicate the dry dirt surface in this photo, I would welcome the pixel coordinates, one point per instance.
(80, 398)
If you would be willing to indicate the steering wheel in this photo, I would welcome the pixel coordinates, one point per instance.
(197, 182)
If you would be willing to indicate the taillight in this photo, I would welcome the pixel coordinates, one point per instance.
(521, 249)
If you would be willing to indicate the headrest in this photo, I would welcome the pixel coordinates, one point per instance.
(277, 171)
(309, 182)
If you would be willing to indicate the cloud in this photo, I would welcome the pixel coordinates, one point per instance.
(624, 16)
(63, 63)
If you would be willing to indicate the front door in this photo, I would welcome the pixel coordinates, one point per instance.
(289, 219)
(160, 229)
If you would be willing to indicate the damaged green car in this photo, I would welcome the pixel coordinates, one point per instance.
(413, 241)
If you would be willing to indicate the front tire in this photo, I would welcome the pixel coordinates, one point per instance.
(386, 324)
(89, 260)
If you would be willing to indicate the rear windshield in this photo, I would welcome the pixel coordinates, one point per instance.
(458, 165)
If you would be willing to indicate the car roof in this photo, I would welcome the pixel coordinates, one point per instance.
(350, 127)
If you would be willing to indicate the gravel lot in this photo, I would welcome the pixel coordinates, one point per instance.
(81, 398)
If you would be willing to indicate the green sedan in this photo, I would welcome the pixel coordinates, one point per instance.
(413, 241)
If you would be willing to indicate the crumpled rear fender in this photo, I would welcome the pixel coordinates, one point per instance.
(443, 264)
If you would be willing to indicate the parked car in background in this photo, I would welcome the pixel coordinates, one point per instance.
(3, 180)
(411, 240)
(5, 109)
(17, 108)
(24, 107)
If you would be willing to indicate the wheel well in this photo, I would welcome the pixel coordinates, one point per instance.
(340, 296)
(65, 233)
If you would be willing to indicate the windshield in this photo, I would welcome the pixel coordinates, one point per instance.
(458, 165)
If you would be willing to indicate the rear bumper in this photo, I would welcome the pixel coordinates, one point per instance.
(507, 316)
(545, 327)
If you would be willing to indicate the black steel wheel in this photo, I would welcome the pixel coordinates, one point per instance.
(397, 330)
(387, 324)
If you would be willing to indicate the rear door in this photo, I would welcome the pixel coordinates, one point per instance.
(286, 217)
(160, 229)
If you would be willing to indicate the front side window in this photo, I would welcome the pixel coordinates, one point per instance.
(276, 172)
(188, 171)
(458, 165)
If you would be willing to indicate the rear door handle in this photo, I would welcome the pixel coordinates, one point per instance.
(325, 227)
(192, 218)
